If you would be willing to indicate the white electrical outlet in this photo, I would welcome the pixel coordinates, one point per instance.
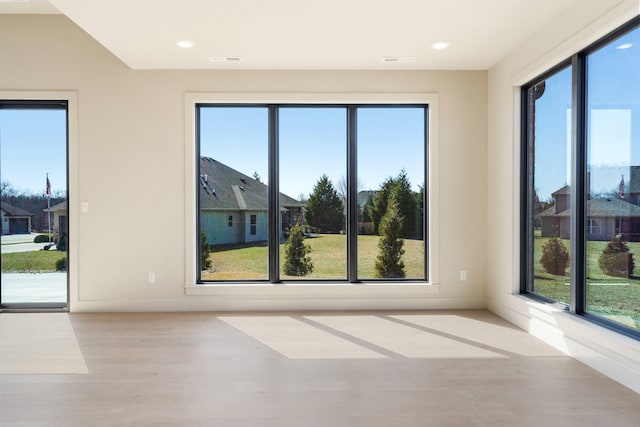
(463, 275)
(152, 277)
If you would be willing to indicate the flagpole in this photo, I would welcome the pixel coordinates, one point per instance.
(49, 206)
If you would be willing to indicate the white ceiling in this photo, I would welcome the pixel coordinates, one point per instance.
(305, 34)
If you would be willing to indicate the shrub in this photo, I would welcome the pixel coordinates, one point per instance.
(389, 262)
(296, 261)
(61, 264)
(62, 243)
(42, 238)
(205, 251)
(615, 259)
(555, 257)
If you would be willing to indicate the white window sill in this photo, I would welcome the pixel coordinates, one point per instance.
(315, 289)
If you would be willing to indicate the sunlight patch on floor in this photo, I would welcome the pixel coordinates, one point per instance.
(505, 338)
(403, 339)
(39, 343)
(298, 340)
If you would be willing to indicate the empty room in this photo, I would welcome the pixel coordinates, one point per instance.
(337, 213)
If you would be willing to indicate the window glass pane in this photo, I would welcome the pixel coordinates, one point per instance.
(313, 170)
(391, 171)
(549, 157)
(233, 193)
(613, 166)
(33, 205)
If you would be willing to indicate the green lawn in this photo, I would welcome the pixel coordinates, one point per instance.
(612, 297)
(27, 262)
(328, 254)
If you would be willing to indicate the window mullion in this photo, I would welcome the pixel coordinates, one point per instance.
(578, 179)
(352, 194)
(274, 199)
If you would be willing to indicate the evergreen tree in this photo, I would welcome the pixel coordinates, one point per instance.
(406, 205)
(389, 262)
(615, 259)
(325, 209)
(296, 260)
(62, 243)
(367, 210)
(419, 196)
(400, 189)
(205, 251)
(380, 202)
(555, 257)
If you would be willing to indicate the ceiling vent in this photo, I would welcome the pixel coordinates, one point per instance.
(224, 59)
(399, 59)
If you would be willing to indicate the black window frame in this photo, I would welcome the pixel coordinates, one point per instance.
(578, 184)
(45, 104)
(352, 191)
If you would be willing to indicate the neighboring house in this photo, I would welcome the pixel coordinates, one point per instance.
(365, 227)
(58, 220)
(605, 216)
(364, 195)
(633, 192)
(15, 220)
(234, 206)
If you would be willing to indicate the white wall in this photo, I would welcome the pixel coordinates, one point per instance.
(131, 170)
(582, 24)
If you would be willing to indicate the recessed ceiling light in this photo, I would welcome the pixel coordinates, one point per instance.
(625, 46)
(224, 59)
(14, 1)
(440, 45)
(399, 59)
(186, 44)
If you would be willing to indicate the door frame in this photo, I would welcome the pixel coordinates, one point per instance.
(71, 99)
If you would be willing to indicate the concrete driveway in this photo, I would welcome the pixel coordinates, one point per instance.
(30, 287)
(20, 243)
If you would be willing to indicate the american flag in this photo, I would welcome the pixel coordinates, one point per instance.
(48, 190)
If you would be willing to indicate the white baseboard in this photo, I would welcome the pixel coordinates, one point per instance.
(222, 304)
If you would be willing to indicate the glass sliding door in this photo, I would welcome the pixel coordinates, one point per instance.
(33, 204)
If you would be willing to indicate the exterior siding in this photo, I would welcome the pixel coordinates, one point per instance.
(5, 223)
(262, 229)
(215, 225)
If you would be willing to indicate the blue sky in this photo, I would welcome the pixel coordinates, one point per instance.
(613, 102)
(313, 142)
(32, 144)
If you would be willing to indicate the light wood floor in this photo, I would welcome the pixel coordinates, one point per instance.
(436, 368)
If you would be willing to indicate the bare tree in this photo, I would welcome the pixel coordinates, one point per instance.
(7, 190)
(341, 186)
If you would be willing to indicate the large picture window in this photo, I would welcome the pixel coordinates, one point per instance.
(581, 183)
(317, 192)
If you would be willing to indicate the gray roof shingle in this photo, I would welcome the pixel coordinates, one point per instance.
(601, 208)
(11, 210)
(224, 188)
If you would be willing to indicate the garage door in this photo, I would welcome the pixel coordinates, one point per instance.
(19, 226)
